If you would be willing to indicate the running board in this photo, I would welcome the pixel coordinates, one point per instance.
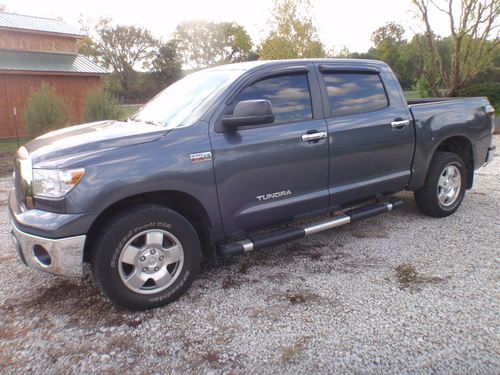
(289, 234)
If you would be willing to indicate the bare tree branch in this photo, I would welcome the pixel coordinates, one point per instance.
(472, 26)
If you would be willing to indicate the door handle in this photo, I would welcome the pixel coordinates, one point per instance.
(313, 136)
(400, 124)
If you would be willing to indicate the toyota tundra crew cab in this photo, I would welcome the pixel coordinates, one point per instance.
(228, 153)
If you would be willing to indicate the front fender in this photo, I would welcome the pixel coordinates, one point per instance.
(158, 166)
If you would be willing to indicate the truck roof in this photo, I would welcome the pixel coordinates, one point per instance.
(261, 63)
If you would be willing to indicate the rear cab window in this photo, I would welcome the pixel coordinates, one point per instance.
(354, 93)
(289, 95)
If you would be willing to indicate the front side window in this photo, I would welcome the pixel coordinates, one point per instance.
(350, 94)
(289, 96)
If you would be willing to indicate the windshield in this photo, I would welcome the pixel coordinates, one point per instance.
(184, 101)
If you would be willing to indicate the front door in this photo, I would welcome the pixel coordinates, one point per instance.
(271, 174)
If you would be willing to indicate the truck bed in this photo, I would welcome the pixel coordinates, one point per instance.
(434, 100)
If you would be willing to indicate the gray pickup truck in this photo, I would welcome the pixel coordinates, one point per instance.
(228, 160)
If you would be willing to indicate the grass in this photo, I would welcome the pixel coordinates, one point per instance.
(129, 109)
(9, 146)
(7, 149)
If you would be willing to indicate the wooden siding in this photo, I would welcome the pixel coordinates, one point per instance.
(15, 89)
(16, 40)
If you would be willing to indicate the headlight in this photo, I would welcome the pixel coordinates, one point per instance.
(55, 183)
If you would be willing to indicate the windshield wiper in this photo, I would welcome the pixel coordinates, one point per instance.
(149, 122)
(152, 122)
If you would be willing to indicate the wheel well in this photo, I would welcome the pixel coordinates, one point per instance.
(463, 148)
(183, 203)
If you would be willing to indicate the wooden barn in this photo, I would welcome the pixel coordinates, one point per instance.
(35, 50)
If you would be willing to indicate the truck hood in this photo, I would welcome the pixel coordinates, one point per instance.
(62, 146)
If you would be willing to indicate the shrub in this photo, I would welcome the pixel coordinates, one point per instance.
(101, 105)
(45, 111)
(421, 88)
(491, 90)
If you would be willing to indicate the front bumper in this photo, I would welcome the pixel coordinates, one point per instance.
(489, 156)
(62, 256)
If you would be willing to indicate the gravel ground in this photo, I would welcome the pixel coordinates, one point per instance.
(399, 293)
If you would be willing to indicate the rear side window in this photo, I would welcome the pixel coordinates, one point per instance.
(289, 96)
(350, 94)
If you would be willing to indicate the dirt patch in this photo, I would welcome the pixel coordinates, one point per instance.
(301, 296)
(292, 351)
(478, 193)
(315, 255)
(408, 277)
(69, 299)
(212, 358)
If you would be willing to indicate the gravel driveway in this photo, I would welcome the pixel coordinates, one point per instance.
(399, 293)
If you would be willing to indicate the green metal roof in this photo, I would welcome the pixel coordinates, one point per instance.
(31, 23)
(47, 62)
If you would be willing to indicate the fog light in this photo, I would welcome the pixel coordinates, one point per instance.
(41, 256)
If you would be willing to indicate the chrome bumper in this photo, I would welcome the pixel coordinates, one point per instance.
(62, 256)
(489, 156)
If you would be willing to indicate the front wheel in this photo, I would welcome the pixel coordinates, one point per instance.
(146, 257)
(444, 187)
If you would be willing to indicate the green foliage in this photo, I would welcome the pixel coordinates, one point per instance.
(44, 111)
(422, 89)
(390, 46)
(101, 105)
(143, 87)
(202, 44)
(121, 48)
(167, 63)
(490, 90)
(391, 32)
(293, 33)
(490, 74)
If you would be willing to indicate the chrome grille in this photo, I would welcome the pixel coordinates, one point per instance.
(22, 175)
(18, 182)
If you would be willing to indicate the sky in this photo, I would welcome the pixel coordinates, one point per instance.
(340, 23)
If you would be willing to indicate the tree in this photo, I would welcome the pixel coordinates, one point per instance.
(202, 44)
(167, 63)
(391, 47)
(293, 33)
(391, 33)
(121, 48)
(474, 36)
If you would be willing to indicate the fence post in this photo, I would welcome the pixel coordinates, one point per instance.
(15, 125)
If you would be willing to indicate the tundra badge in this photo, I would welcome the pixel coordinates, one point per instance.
(278, 194)
(201, 156)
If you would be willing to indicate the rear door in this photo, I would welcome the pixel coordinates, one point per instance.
(268, 174)
(370, 133)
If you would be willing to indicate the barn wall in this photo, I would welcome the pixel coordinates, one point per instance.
(37, 42)
(15, 89)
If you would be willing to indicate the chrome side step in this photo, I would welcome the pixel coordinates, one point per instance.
(289, 234)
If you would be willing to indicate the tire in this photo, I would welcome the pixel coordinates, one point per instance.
(443, 190)
(146, 257)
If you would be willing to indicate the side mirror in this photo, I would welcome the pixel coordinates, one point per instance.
(248, 113)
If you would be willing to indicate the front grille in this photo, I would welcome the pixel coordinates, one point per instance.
(18, 182)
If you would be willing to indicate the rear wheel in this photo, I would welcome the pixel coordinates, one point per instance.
(146, 257)
(444, 186)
